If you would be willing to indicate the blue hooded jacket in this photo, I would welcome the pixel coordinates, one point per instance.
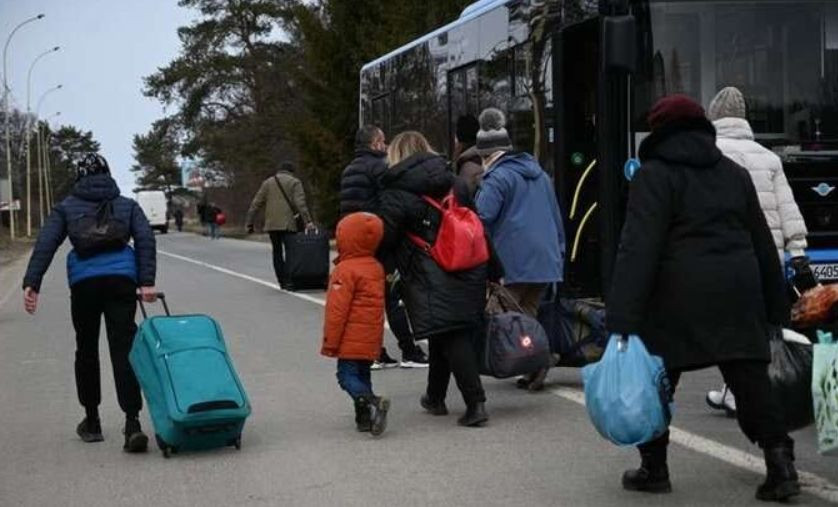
(88, 193)
(518, 207)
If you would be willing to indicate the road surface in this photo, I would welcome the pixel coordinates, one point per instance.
(300, 447)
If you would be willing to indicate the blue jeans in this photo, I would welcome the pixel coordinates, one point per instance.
(212, 230)
(354, 377)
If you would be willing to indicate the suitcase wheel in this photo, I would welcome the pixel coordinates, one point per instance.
(167, 452)
(167, 449)
(236, 442)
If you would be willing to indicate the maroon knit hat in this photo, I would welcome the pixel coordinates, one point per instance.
(674, 108)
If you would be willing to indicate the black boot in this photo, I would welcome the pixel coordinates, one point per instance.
(135, 439)
(475, 415)
(379, 406)
(781, 482)
(433, 407)
(90, 430)
(363, 417)
(653, 474)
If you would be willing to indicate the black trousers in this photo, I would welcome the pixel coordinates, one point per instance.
(757, 410)
(397, 318)
(115, 297)
(278, 248)
(453, 352)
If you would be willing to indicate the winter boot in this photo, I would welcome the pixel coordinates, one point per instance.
(90, 430)
(379, 406)
(433, 407)
(653, 474)
(135, 439)
(781, 482)
(363, 416)
(475, 415)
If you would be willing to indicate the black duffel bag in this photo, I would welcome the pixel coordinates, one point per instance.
(575, 328)
(790, 374)
(515, 343)
(100, 232)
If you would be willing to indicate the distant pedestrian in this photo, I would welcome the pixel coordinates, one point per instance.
(210, 218)
(105, 274)
(518, 206)
(468, 165)
(354, 323)
(697, 277)
(284, 200)
(179, 218)
(360, 188)
(443, 307)
(735, 139)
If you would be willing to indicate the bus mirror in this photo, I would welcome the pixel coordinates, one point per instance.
(620, 43)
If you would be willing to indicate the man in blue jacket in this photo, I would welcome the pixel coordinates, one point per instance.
(518, 207)
(101, 282)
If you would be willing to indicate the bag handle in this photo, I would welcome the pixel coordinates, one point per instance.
(162, 297)
(495, 289)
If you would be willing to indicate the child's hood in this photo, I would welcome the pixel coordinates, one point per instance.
(358, 235)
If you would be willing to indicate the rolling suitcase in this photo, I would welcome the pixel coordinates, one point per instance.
(306, 261)
(193, 393)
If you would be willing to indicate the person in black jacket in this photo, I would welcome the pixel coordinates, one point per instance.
(102, 282)
(443, 307)
(360, 187)
(698, 279)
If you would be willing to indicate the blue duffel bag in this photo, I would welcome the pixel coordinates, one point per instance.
(627, 393)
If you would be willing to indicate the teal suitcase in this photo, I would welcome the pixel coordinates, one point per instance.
(194, 396)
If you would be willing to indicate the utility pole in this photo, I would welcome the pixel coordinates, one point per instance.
(6, 91)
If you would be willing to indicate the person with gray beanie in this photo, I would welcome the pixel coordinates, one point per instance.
(735, 139)
(519, 209)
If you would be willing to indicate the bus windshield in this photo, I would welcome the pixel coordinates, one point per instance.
(782, 55)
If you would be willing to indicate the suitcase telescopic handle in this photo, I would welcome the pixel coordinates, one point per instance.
(162, 297)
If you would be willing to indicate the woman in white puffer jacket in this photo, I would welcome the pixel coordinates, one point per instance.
(735, 139)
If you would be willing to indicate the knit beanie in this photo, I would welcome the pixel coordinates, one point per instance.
(492, 136)
(729, 103)
(90, 164)
(674, 109)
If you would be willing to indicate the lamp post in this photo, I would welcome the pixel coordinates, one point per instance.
(41, 167)
(6, 91)
(28, 130)
(46, 150)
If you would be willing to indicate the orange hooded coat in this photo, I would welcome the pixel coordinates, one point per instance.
(354, 323)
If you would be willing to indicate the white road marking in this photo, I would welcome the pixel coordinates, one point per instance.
(811, 483)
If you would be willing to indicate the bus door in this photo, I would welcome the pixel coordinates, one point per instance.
(576, 73)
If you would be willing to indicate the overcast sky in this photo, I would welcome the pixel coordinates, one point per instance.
(107, 46)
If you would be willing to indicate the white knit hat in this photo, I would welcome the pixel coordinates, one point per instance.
(492, 136)
(728, 103)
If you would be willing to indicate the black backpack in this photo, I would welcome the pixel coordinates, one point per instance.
(92, 234)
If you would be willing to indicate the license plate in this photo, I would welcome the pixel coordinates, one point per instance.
(825, 272)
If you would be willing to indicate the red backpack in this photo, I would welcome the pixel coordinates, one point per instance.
(460, 242)
(220, 218)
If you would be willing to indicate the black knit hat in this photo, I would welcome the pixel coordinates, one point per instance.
(91, 164)
(467, 127)
(492, 136)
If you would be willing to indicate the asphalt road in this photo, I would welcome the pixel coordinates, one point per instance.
(299, 446)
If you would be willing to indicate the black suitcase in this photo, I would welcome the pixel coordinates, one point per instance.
(306, 261)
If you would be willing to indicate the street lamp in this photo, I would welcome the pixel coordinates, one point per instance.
(6, 111)
(28, 130)
(41, 167)
(47, 163)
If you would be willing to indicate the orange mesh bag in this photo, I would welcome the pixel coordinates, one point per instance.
(816, 306)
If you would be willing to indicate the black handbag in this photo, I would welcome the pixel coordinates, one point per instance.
(790, 374)
(99, 232)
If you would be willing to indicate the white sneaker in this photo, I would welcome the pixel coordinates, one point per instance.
(722, 400)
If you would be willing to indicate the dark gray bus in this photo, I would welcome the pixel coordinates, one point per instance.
(577, 78)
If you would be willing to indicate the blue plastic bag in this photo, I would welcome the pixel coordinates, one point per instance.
(627, 393)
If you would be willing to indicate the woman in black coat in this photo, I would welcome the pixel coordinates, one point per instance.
(698, 279)
(443, 307)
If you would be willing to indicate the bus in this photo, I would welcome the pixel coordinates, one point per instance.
(577, 78)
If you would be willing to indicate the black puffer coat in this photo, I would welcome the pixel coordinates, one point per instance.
(359, 183)
(697, 274)
(436, 301)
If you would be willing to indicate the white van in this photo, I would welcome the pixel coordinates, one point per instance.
(153, 204)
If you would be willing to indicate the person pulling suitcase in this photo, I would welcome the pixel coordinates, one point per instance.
(105, 274)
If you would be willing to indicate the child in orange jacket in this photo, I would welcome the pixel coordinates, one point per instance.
(354, 324)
